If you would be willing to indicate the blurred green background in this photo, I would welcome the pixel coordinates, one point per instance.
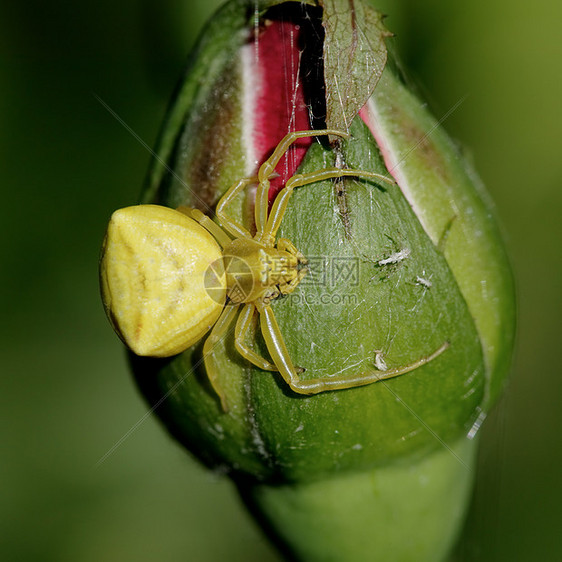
(66, 397)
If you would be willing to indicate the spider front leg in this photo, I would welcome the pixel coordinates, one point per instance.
(282, 359)
(282, 200)
(286, 245)
(268, 168)
(314, 386)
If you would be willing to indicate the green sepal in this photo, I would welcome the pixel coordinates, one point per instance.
(273, 433)
(458, 215)
(411, 513)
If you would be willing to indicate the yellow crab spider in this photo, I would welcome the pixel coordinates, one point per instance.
(169, 276)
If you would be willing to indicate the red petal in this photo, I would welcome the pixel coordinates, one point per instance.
(278, 102)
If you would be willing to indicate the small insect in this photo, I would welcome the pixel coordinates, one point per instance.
(169, 276)
(396, 257)
(424, 282)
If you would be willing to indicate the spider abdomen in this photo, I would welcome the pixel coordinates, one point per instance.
(162, 283)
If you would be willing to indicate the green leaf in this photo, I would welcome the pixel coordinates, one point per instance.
(354, 58)
(262, 5)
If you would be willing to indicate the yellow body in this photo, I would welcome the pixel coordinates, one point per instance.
(154, 276)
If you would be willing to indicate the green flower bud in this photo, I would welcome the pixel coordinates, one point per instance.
(406, 274)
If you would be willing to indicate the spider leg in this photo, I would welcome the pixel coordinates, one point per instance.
(268, 168)
(280, 355)
(277, 348)
(286, 245)
(217, 334)
(243, 325)
(230, 225)
(314, 386)
(216, 231)
(282, 200)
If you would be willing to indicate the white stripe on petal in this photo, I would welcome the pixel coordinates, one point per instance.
(392, 159)
(250, 85)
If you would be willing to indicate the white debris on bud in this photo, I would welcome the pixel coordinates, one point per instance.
(396, 257)
(424, 282)
(380, 363)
